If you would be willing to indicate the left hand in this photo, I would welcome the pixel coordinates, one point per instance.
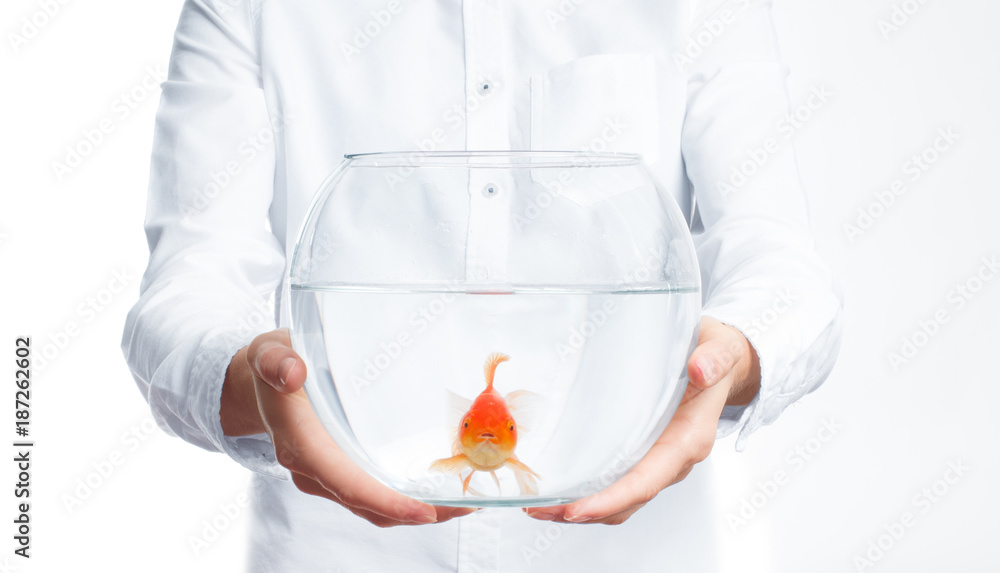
(723, 369)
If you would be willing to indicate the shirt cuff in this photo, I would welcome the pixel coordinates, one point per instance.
(254, 452)
(792, 363)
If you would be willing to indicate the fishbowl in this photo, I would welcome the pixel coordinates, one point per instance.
(494, 328)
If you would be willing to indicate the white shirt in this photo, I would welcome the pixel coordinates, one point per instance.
(264, 98)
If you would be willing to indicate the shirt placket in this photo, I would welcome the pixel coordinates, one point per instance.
(486, 130)
(486, 246)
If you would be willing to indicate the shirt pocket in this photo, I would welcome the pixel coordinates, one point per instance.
(600, 103)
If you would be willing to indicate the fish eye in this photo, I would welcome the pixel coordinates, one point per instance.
(512, 426)
(466, 424)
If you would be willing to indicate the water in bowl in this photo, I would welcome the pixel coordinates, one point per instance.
(606, 370)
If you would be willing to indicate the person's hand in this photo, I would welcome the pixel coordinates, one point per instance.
(263, 392)
(722, 370)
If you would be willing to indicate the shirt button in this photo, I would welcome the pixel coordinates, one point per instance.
(491, 190)
(485, 87)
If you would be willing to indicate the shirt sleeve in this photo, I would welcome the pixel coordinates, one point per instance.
(212, 260)
(760, 271)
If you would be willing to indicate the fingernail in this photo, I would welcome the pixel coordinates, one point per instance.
(541, 515)
(284, 369)
(426, 518)
(576, 518)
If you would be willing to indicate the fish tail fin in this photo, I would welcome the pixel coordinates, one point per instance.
(527, 480)
(490, 368)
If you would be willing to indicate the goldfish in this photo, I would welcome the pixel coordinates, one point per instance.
(487, 436)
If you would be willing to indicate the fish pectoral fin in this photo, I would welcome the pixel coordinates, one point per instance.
(453, 465)
(516, 464)
(526, 407)
(527, 479)
(457, 405)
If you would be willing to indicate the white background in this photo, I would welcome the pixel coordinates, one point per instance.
(61, 242)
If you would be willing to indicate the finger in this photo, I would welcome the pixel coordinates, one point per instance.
(687, 440)
(615, 518)
(720, 350)
(272, 359)
(304, 447)
(446, 513)
(313, 487)
(558, 515)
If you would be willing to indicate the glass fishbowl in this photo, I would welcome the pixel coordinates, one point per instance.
(494, 328)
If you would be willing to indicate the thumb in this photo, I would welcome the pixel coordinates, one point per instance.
(716, 354)
(272, 359)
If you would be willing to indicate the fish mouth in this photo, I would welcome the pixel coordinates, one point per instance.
(483, 436)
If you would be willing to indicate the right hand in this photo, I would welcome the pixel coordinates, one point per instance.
(263, 392)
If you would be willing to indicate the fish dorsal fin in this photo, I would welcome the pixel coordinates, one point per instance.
(526, 408)
(490, 368)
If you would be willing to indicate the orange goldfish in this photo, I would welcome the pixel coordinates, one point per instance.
(487, 436)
